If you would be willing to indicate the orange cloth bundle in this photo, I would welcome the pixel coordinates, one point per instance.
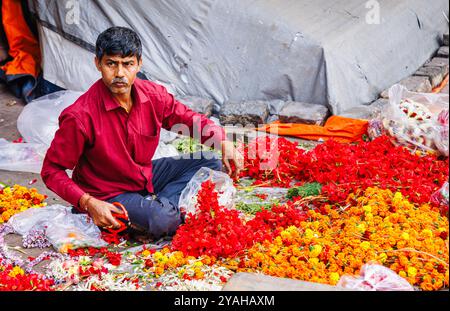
(341, 129)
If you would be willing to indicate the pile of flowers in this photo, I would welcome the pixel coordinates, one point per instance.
(89, 273)
(349, 168)
(114, 258)
(270, 161)
(219, 232)
(380, 226)
(155, 263)
(36, 238)
(14, 278)
(213, 230)
(172, 270)
(17, 199)
(268, 223)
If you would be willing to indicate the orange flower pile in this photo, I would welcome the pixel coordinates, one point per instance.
(17, 199)
(379, 226)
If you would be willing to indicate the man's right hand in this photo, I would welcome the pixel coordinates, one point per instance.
(100, 212)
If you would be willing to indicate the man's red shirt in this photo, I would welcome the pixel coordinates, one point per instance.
(109, 150)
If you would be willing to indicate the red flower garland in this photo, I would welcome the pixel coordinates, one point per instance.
(349, 168)
(10, 280)
(114, 258)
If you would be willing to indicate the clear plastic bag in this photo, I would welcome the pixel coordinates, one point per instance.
(441, 198)
(375, 128)
(442, 134)
(22, 157)
(38, 121)
(411, 119)
(374, 277)
(165, 151)
(63, 229)
(224, 187)
(33, 218)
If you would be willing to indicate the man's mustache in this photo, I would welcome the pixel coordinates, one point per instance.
(120, 80)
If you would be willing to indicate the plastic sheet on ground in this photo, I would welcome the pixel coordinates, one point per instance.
(375, 277)
(224, 187)
(258, 196)
(63, 229)
(21, 157)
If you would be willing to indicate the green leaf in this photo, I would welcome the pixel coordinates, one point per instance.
(307, 190)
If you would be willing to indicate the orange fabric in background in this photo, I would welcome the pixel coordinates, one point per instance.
(344, 130)
(23, 46)
(443, 84)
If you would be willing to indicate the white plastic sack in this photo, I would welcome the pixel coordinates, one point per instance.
(374, 277)
(166, 136)
(165, 151)
(411, 119)
(21, 157)
(224, 187)
(38, 121)
(63, 229)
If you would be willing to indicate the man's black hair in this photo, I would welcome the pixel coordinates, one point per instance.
(118, 41)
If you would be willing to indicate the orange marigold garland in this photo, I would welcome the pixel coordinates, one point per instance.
(17, 199)
(381, 226)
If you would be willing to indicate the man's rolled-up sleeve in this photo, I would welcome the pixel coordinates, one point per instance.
(178, 113)
(63, 154)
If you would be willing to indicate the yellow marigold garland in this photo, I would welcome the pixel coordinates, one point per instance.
(17, 199)
(381, 227)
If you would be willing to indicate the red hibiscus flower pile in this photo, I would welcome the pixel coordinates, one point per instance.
(271, 161)
(348, 168)
(213, 230)
(219, 232)
(15, 279)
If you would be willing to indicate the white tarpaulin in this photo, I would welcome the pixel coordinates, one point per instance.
(314, 51)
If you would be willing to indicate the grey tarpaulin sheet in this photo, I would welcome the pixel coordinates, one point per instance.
(316, 51)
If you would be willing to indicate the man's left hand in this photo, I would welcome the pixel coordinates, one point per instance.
(230, 153)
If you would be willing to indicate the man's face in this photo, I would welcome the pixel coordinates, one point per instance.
(118, 73)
